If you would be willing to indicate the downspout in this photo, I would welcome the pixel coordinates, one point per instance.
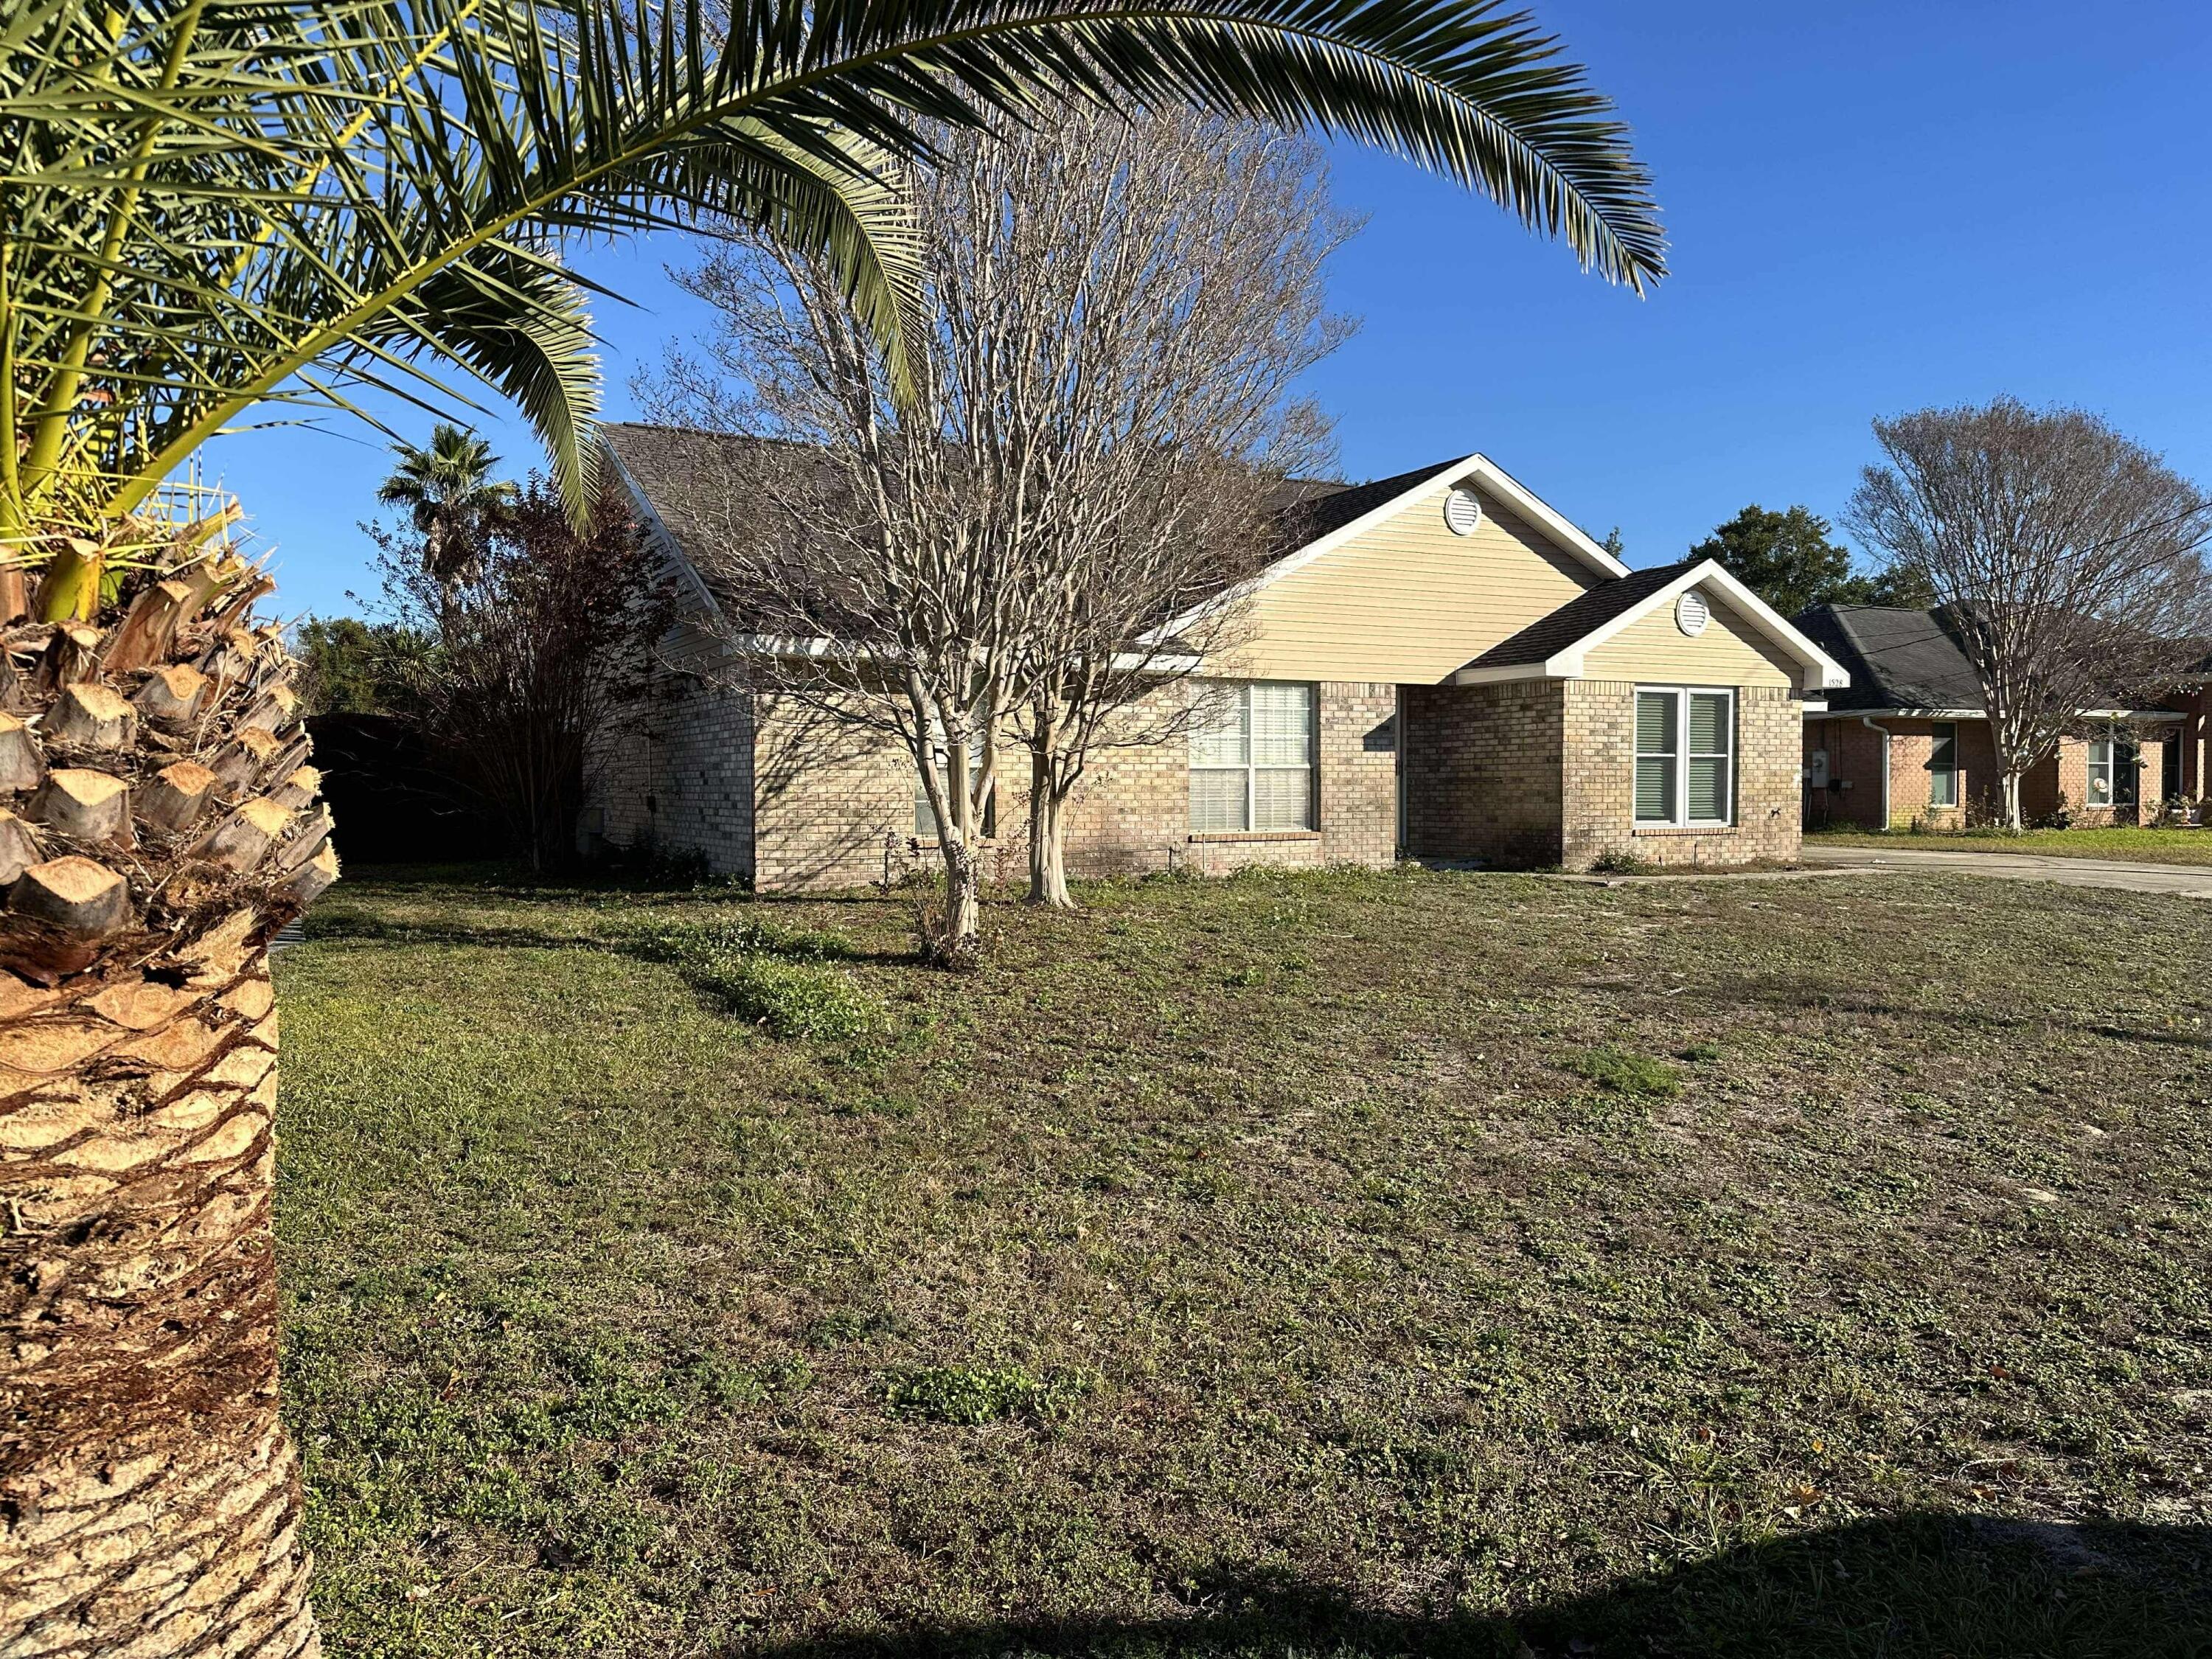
(1866, 720)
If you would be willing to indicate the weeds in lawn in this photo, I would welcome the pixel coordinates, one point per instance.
(968, 1395)
(779, 978)
(1627, 1073)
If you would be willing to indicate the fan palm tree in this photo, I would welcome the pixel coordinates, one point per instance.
(219, 212)
(450, 496)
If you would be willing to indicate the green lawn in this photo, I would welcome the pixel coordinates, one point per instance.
(2127, 843)
(1318, 1266)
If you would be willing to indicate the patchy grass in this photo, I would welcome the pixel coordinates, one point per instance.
(1252, 1267)
(2124, 843)
(1627, 1073)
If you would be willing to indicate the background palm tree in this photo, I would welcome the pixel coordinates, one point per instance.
(450, 497)
(213, 208)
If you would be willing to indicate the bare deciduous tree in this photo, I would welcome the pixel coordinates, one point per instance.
(2067, 558)
(1105, 412)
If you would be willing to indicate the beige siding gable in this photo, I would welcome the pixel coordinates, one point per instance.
(1730, 652)
(1407, 601)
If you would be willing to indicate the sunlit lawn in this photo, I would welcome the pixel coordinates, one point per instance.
(2126, 842)
(1333, 1265)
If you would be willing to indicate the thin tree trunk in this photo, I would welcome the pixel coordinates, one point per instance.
(149, 1497)
(2011, 782)
(964, 901)
(1047, 854)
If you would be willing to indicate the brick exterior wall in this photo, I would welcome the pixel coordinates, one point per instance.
(835, 808)
(1853, 797)
(1359, 757)
(1599, 729)
(2064, 782)
(677, 780)
(1483, 771)
(1854, 754)
(1540, 773)
(833, 803)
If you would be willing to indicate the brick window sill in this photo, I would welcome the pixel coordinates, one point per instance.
(1257, 835)
(1707, 830)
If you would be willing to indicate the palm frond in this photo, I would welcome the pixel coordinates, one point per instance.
(220, 203)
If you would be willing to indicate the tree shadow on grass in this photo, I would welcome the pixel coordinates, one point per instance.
(1918, 1586)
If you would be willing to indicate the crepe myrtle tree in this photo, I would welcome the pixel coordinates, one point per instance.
(1116, 313)
(2067, 558)
(1153, 297)
(221, 212)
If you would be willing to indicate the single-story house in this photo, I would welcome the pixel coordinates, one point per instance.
(1435, 664)
(1908, 740)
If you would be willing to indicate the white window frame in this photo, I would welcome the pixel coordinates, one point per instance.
(2091, 766)
(1681, 758)
(1243, 690)
(1935, 729)
(2111, 767)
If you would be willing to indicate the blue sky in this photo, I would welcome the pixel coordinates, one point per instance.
(1873, 207)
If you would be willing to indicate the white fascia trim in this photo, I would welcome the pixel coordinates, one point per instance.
(1817, 670)
(1917, 714)
(1479, 468)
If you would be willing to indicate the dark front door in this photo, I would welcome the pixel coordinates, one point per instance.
(2169, 767)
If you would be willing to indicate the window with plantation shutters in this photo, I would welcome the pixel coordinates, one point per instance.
(1252, 757)
(1684, 756)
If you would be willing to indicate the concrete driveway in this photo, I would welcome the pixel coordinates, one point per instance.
(2181, 880)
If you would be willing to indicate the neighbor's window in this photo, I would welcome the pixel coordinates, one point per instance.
(1943, 765)
(1251, 757)
(2100, 773)
(1684, 756)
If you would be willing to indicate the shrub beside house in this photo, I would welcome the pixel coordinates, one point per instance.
(1436, 665)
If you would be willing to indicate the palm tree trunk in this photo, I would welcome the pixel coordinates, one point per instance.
(151, 1494)
(162, 827)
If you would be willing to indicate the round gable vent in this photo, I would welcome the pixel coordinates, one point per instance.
(1692, 613)
(1462, 511)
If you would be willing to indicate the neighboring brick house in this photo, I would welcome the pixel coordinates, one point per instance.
(1908, 740)
(1437, 665)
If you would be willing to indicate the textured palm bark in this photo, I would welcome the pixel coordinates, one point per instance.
(157, 824)
(149, 1500)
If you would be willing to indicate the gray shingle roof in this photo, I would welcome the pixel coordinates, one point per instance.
(688, 476)
(1897, 658)
(1331, 507)
(1555, 631)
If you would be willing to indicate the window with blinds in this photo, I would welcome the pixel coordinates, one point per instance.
(1657, 720)
(1684, 756)
(1252, 757)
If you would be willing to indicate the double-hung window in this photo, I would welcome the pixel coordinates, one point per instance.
(1252, 757)
(2100, 772)
(2111, 780)
(1684, 756)
(1943, 764)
